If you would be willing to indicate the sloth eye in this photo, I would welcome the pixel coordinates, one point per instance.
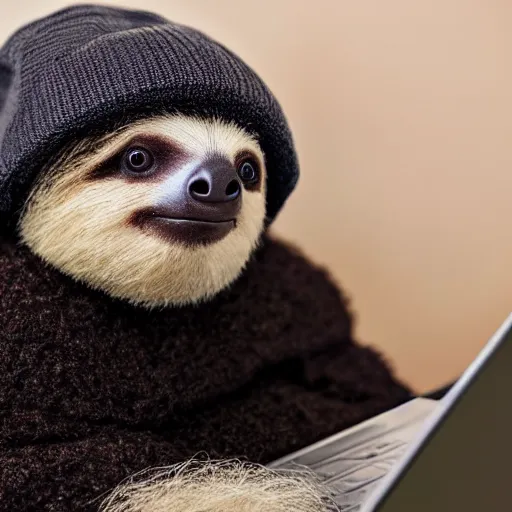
(138, 160)
(248, 171)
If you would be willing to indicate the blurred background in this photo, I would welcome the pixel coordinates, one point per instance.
(402, 116)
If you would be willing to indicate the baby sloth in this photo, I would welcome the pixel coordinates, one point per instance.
(164, 211)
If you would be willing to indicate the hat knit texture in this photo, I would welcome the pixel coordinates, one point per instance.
(88, 68)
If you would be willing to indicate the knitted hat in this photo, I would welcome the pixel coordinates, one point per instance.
(86, 68)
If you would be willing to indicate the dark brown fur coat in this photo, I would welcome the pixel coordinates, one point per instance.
(92, 389)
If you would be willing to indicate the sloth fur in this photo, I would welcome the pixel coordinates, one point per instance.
(227, 486)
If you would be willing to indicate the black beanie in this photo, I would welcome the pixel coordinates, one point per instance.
(87, 68)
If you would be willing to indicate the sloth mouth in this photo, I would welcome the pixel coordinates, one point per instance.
(186, 230)
(192, 221)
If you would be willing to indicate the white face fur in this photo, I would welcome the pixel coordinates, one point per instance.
(80, 216)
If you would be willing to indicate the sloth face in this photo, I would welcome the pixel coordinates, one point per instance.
(165, 211)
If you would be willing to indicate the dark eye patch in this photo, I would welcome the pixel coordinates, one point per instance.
(168, 156)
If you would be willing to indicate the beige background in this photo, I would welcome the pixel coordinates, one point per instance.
(402, 114)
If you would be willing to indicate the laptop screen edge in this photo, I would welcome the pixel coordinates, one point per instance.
(397, 473)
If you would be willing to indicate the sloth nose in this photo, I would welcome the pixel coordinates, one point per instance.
(215, 182)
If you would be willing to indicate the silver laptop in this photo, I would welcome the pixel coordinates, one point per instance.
(450, 455)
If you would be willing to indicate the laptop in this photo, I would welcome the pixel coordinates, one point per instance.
(452, 454)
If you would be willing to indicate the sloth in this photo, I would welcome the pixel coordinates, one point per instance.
(159, 346)
(169, 209)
